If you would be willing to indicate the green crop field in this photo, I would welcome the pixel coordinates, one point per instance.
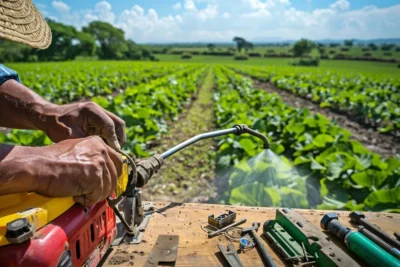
(314, 162)
(355, 51)
(355, 67)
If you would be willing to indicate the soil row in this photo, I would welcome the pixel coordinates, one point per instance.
(384, 145)
(188, 175)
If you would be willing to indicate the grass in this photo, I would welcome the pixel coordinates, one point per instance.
(377, 68)
(353, 51)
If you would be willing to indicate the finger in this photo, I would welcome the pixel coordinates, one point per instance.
(107, 184)
(104, 125)
(119, 128)
(117, 160)
(112, 176)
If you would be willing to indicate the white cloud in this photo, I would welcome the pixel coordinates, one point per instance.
(226, 15)
(207, 13)
(258, 4)
(142, 26)
(286, 2)
(177, 6)
(262, 13)
(190, 5)
(341, 4)
(214, 20)
(103, 11)
(60, 6)
(178, 18)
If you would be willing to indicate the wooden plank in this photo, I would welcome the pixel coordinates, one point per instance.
(196, 249)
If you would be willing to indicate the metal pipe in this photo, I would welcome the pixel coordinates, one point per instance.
(380, 233)
(195, 139)
(238, 129)
(395, 252)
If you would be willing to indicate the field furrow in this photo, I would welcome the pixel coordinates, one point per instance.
(188, 176)
(372, 101)
(384, 145)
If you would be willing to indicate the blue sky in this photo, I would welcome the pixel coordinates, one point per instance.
(220, 20)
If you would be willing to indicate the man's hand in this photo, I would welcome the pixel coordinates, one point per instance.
(27, 110)
(85, 168)
(84, 119)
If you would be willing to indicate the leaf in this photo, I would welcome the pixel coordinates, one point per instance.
(369, 178)
(274, 195)
(224, 162)
(325, 105)
(316, 166)
(338, 163)
(322, 139)
(301, 160)
(101, 101)
(243, 166)
(387, 196)
(248, 146)
(250, 195)
(386, 129)
(277, 148)
(293, 198)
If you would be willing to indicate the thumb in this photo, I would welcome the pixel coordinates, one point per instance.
(111, 138)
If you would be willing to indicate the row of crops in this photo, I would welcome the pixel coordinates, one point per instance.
(145, 107)
(65, 82)
(374, 101)
(319, 165)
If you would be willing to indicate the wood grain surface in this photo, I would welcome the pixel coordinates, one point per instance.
(196, 249)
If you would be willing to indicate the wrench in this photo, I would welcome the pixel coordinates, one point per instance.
(264, 253)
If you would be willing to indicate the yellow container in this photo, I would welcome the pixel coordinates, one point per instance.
(39, 210)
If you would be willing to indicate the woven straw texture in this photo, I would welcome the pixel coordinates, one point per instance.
(20, 21)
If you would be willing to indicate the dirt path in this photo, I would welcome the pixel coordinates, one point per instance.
(381, 144)
(188, 175)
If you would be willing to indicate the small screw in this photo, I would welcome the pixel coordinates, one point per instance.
(332, 254)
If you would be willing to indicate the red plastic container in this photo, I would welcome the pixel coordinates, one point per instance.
(79, 237)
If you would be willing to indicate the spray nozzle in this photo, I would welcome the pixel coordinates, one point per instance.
(242, 128)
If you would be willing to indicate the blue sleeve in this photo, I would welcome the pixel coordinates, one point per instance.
(8, 74)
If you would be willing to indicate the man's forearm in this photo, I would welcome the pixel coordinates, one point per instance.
(20, 107)
(15, 169)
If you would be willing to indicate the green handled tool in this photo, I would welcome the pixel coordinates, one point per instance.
(301, 243)
(360, 245)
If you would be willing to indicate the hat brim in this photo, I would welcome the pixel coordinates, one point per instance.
(20, 21)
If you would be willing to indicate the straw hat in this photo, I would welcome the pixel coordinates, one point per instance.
(20, 21)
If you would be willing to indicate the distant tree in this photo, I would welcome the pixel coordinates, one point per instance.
(133, 52)
(211, 47)
(321, 51)
(64, 45)
(111, 40)
(239, 43)
(302, 47)
(248, 46)
(87, 44)
(348, 43)
(14, 52)
(373, 46)
(387, 47)
(333, 45)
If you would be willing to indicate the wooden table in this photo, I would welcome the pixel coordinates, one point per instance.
(196, 249)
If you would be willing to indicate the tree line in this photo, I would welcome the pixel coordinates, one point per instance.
(98, 39)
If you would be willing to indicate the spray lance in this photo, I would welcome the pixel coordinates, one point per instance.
(142, 172)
